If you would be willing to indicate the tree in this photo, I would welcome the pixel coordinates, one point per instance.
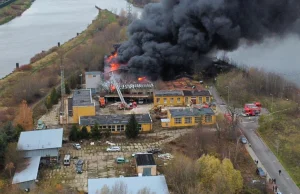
(3, 146)
(54, 96)
(48, 103)
(107, 133)
(95, 132)
(67, 87)
(74, 134)
(24, 117)
(84, 134)
(132, 130)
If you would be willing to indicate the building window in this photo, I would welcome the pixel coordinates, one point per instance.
(118, 127)
(165, 100)
(157, 100)
(208, 119)
(178, 100)
(197, 119)
(188, 120)
(207, 99)
(104, 126)
(177, 120)
(140, 127)
(171, 100)
(122, 127)
(200, 100)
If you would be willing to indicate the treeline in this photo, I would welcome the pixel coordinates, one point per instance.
(12, 10)
(142, 3)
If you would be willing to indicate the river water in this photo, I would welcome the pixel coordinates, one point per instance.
(46, 23)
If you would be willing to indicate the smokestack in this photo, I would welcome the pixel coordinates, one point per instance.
(172, 36)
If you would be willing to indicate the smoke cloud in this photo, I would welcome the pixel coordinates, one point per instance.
(174, 35)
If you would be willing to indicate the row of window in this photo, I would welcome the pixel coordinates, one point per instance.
(207, 99)
(117, 127)
(188, 120)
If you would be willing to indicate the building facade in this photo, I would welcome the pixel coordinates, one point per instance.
(93, 80)
(181, 97)
(186, 117)
(145, 164)
(82, 104)
(116, 123)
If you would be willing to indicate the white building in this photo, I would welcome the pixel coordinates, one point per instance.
(93, 80)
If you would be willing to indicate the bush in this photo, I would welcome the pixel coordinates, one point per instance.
(25, 67)
(95, 132)
(74, 134)
(84, 134)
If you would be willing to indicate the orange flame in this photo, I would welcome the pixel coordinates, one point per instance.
(141, 78)
(111, 57)
(112, 88)
(113, 64)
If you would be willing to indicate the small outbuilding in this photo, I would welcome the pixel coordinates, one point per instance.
(145, 164)
(26, 175)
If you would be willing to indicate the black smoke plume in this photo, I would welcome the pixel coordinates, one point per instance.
(174, 35)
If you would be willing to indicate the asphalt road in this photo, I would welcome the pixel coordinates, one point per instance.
(248, 126)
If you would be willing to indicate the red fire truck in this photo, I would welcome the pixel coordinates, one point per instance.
(252, 109)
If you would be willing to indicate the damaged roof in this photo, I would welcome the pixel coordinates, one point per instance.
(192, 112)
(113, 119)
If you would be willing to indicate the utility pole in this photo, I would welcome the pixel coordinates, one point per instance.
(129, 11)
(62, 88)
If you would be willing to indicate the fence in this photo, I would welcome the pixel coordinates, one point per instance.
(5, 3)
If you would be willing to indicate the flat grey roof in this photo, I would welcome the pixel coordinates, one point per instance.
(83, 97)
(40, 139)
(168, 93)
(144, 159)
(156, 184)
(183, 112)
(93, 73)
(113, 119)
(30, 171)
(196, 93)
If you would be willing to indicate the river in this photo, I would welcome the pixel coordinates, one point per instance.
(46, 23)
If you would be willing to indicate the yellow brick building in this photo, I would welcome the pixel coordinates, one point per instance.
(186, 117)
(82, 104)
(181, 97)
(116, 123)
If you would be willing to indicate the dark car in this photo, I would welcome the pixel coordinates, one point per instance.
(79, 165)
(154, 151)
(260, 172)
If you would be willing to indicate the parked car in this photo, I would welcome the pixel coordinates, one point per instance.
(121, 160)
(154, 150)
(243, 140)
(77, 146)
(260, 172)
(113, 149)
(79, 165)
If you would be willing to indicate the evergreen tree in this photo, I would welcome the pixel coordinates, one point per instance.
(54, 96)
(84, 133)
(74, 134)
(95, 132)
(67, 87)
(132, 130)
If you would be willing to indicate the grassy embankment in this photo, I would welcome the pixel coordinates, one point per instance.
(33, 82)
(280, 130)
(13, 10)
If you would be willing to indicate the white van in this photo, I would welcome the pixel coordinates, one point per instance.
(67, 160)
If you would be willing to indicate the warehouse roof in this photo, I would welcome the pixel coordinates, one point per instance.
(144, 159)
(168, 93)
(196, 93)
(83, 97)
(113, 119)
(40, 139)
(156, 184)
(30, 171)
(182, 112)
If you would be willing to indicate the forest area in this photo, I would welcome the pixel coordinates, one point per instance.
(279, 129)
(142, 3)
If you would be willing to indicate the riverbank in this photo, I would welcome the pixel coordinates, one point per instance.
(13, 10)
(34, 81)
(141, 3)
